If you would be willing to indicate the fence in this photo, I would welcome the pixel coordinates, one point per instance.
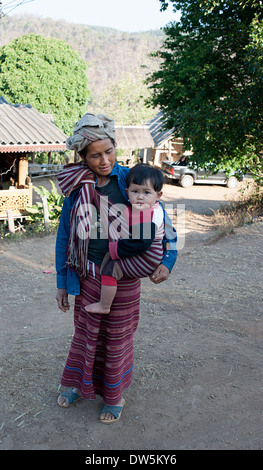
(39, 171)
(13, 204)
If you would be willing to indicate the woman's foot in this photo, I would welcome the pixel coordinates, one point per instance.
(69, 397)
(111, 414)
(97, 307)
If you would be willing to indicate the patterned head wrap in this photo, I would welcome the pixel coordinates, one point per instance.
(89, 129)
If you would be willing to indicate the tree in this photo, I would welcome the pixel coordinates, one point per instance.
(47, 74)
(209, 85)
(124, 100)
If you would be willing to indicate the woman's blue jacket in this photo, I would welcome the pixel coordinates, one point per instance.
(68, 278)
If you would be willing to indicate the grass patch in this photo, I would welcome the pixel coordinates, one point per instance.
(245, 210)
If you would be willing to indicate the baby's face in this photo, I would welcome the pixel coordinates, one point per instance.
(142, 196)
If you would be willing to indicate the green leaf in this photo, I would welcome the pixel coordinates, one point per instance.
(209, 85)
(32, 59)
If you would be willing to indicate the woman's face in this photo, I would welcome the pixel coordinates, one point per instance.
(100, 157)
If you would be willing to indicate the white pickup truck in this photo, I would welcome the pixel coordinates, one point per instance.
(188, 175)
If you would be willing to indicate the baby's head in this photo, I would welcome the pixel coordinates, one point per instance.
(144, 186)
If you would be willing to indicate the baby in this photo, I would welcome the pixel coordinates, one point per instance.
(140, 254)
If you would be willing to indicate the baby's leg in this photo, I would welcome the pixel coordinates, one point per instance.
(107, 295)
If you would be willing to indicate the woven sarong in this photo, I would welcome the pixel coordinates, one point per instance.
(100, 359)
(145, 264)
(136, 266)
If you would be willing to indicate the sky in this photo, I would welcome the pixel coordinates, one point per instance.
(124, 15)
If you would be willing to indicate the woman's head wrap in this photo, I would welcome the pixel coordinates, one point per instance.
(89, 129)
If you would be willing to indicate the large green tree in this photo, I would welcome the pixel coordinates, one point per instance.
(46, 73)
(210, 82)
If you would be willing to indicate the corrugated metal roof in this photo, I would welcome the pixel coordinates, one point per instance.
(22, 129)
(133, 137)
(159, 135)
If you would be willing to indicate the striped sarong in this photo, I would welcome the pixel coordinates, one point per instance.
(100, 359)
(145, 264)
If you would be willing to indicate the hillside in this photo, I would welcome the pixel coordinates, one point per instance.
(109, 53)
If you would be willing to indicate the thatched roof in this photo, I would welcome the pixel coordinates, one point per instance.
(133, 137)
(23, 129)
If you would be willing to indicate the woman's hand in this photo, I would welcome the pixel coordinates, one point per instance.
(160, 274)
(62, 300)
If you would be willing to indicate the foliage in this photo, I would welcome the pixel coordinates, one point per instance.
(246, 210)
(54, 201)
(57, 158)
(124, 100)
(34, 225)
(47, 74)
(108, 53)
(209, 85)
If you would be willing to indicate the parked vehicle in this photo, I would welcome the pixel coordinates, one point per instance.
(188, 175)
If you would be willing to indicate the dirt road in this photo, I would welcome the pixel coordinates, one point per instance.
(197, 380)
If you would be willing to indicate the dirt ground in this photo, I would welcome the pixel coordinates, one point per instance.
(198, 378)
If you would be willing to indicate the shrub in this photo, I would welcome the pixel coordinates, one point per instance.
(54, 201)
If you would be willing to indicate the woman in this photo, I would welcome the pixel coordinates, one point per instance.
(100, 360)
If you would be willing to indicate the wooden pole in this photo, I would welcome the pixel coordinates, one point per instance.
(22, 170)
(11, 224)
(46, 213)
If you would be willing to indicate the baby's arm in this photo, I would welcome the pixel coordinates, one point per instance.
(141, 238)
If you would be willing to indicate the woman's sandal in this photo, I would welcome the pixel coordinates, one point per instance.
(71, 396)
(115, 410)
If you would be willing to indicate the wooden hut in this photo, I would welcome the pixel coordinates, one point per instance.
(131, 138)
(166, 146)
(23, 131)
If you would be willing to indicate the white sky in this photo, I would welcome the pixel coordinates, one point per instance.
(124, 15)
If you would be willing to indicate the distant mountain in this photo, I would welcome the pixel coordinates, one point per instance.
(108, 52)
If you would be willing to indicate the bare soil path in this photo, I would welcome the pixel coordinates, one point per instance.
(198, 378)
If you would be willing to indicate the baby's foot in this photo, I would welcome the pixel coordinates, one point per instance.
(97, 308)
